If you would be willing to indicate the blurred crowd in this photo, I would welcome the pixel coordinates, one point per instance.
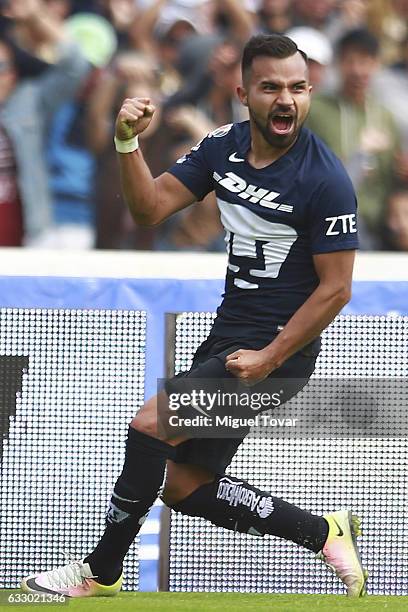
(66, 66)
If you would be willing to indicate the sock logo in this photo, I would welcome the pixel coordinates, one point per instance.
(115, 514)
(235, 492)
(265, 507)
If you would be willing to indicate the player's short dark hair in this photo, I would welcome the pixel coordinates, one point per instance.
(271, 45)
(358, 39)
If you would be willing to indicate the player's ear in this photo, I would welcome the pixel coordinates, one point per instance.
(242, 95)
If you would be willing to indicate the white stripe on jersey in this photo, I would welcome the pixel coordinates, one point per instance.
(243, 284)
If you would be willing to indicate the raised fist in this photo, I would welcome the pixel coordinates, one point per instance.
(133, 118)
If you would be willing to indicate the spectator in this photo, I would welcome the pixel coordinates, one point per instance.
(70, 161)
(199, 227)
(316, 14)
(397, 220)
(187, 59)
(318, 50)
(237, 20)
(360, 131)
(182, 35)
(85, 5)
(391, 88)
(211, 81)
(275, 16)
(177, 19)
(223, 74)
(129, 74)
(166, 139)
(26, 37)
(122, 14)
(193, 58)
(195, 229)
(28, 101)
(393, 29)
(350, 15)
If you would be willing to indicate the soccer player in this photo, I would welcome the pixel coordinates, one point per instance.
(289, 212)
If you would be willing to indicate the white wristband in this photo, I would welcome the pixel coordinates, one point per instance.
(126, 146)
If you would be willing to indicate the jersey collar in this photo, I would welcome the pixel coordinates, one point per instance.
(243, 143)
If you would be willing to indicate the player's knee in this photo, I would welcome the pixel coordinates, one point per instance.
(145, 423)
(174, 493)
(182, 480)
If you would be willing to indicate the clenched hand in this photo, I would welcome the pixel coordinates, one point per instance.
(249, 366)
(133, 118)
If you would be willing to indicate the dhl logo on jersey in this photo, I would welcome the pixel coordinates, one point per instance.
(252, 193)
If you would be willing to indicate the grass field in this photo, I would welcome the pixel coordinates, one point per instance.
(203, 602)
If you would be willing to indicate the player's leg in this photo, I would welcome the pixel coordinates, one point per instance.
(233, 503)
(137, 488)
(240, 507)
(135, 491)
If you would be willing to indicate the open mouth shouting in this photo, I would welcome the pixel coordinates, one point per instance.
(282, 123)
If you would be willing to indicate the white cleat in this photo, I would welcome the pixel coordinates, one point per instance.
(340, 552)
(72, 580)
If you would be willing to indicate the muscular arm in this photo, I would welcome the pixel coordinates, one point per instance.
(333, 292)
(150, 200)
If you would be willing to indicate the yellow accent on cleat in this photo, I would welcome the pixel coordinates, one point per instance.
(104, 590)
(341, 554)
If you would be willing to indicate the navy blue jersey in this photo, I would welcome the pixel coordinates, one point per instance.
(275, 220)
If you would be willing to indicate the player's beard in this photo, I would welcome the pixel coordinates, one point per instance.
(277, 141)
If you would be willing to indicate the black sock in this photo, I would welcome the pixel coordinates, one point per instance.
(237, 505)
(134, 494)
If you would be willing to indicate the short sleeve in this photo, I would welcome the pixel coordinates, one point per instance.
(194, 171)
(333, 219)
